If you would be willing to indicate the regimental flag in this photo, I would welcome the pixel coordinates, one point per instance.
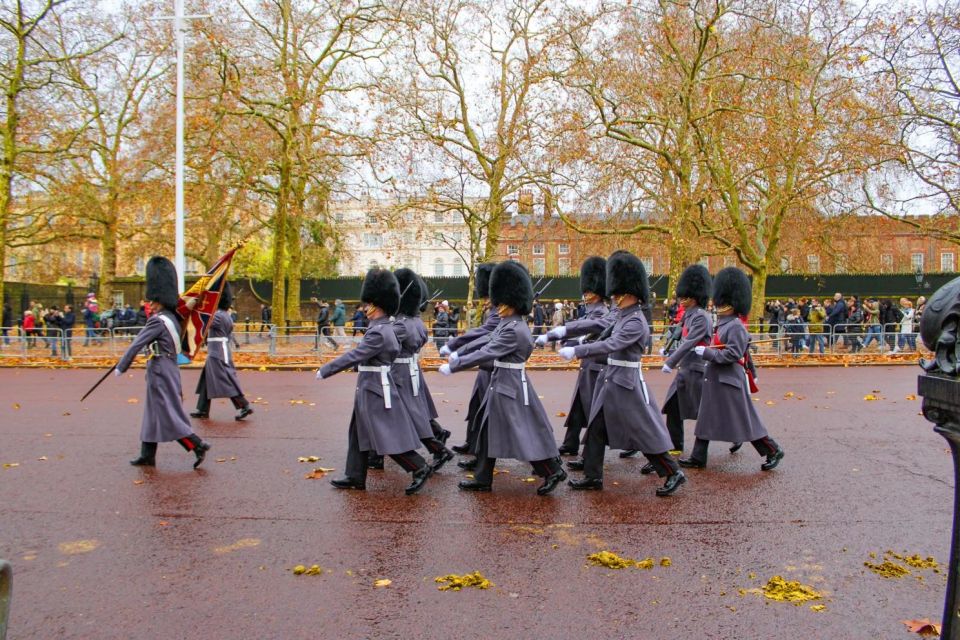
(197, 306)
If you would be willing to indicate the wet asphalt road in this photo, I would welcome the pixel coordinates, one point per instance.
(105, 550)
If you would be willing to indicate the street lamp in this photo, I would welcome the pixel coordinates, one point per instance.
(918, 276)
(95, 283)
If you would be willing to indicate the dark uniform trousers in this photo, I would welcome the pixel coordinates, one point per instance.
(483, 472)
(674, 422)
(358, 461)
(433, 445)
(596, 446)
(189, 443)
(765, 446)
(203, 402)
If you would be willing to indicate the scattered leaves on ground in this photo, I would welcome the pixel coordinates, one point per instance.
(243, 543)
(138, 482)
(16, 405)
(313, 570)
(869, 397)
(382, 582)
(308, 459)
(788, 394)
(818, 607)
(789, 591)
(42, 458)
(561, 414)
(528, 480)
(318, 473)
(78, 546)
(133, 400)
(887, 569)
(453, 582)
(770, 403)
(613, 561)
(924, 628)
(911, 397)
(10, 465)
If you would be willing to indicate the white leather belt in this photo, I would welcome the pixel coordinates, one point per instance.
(629, 364)
(384, 372)
(520, 366)
(226, 347)
(414, 372)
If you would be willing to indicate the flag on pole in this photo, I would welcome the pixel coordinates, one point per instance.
(197, 306)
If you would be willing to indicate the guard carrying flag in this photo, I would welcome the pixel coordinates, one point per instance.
(593, 286)
(164, 419)
(726, 411)
(482, 287)
(683, 396)
(380, 423)
(219, 376)
(623, 413)
(512, 422)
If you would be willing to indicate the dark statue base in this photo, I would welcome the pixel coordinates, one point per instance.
(941, 406)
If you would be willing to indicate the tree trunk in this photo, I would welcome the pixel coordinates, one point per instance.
(758, 294)
(278, 300)
(493, 226)
(108, 254)
(294, 269)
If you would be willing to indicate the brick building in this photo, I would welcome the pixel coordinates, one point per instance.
(841, 244)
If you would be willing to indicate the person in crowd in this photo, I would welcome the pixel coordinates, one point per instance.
(441, 324)
(7, 322)
(91, 318)
(338, 319)
(837, 318)
(454, 318)
(29, 329)
(53, 326)
(793, 329)
(871, 320)
(539, 318)
(69, 319)
(556, 320)
(854, 325)
(359, 321)
(906, 340)
(816, 327)
(323, 325)
(266, 317)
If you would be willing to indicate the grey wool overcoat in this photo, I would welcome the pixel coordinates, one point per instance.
(688, 383)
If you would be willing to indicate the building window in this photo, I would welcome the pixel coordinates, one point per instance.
(539, 266)
(458, 267)
(372, 240)
(784, 264)
(538, 249)
(563, 248)
(841, 263)
(886, 262)
(438, 217)
(729, 261)
(564, 264)
(139, 264)
(813, 263)
(438, 267)
(78, 258)
(513, 250)
(946, 262)
(373, 265)
(371, 218)
(408, 237)
(916, 262)
(647, 263)
(338, 216)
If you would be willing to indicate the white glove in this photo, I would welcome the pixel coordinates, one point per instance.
(666, 369)
(699, 349)
(117, 372)
(557, 333)
(542, 340)
(567, 353)
(319, 374)
(445, 369)
(444, 350)
(454, 356)
(662, 351)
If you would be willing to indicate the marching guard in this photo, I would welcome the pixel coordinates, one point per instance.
(623, 414)
(482, 382)
(219, 376)
(726, 411)
(380, 423)
(683, 396)
(164, 419)
(512, 422)
(412, 335)
(593, 274)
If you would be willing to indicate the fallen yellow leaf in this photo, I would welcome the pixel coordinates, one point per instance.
(16, 405)
(870, 397)
(561, 414)
(42, 458)
(453, 582)
(243, 543)
(770, 403)
(79, 546)
(10, 465)
(138, 482)
(133, 400)
(308, 459)
(911, 397)
(788, 394)
(382, 582)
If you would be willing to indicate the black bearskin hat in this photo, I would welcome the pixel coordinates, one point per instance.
(162, 282)
(482, 282)
(593, 276)
(510, 285)
(626, 275)
(695, 282)
(732, 287)
(411, 295)
(380, 289)
(226, 297)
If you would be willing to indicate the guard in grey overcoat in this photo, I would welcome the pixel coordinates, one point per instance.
(482, 382)
(219, 376)
(683, 397)
(164, 419)
(623, 413)
(412, 335)
(593, 286)
(513, 422)
(726, 410)
(380, 423)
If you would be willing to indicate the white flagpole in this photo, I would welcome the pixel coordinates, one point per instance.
(179, 259)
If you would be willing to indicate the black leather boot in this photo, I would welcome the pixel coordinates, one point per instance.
(201, 452)
(148, 455)
(243, 413)
(419, 479)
